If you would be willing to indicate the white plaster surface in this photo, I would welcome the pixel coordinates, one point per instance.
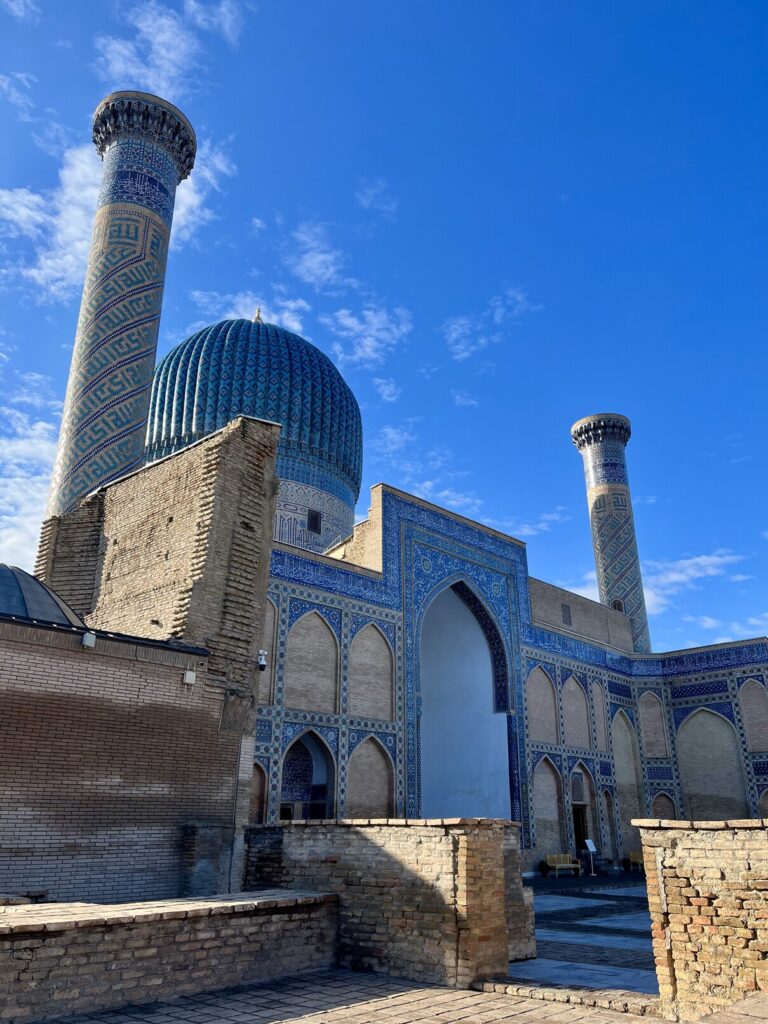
(464, 755)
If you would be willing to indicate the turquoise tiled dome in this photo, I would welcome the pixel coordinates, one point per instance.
(250, 368)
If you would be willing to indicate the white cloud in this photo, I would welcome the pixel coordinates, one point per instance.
(315, 260)
(466, 502)
(465, 335)
(462, 399)
(257, 225)
(374, 194)
(520, 528)
(163, 57)
(224, 17)
(286, 312)
(27, 451)
(372, 335)
(587, 588)
(24, 10)
(387, 389)
(392, 440)
(192, 212)
(663, 580)
(58, 222)
(740, 577)
(36, 390)
(15, 88)
(703, 621)
(650, 500)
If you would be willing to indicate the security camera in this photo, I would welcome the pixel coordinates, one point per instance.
(262, 660)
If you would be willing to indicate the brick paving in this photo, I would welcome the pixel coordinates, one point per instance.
(346, 997)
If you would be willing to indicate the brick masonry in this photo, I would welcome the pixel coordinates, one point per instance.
(425, 900)
(708, 898)
(59, 960)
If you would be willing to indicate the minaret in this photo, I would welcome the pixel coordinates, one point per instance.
(148, 147)
(601, 440)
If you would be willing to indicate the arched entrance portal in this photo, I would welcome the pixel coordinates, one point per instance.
(464, 752)
(308, 780)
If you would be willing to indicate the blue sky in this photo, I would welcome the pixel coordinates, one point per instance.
(496, 218)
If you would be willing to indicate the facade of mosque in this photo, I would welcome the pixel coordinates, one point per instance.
(413, 667)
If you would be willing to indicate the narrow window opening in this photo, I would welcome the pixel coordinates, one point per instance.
(314, 521)
(617, 605)
(565, 610)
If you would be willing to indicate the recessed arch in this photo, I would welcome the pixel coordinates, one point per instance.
(541, 707)
(266, 679)
(653, 725)
(664, 807)
(601, 728)
(464, 746)
(258, 805)
(583, 806)
(371, 675)
(311, 665)
(754, 708)
(370, 781)
(547, 807)
(710, 767)
(629, 780)
(308, 778)
(575, 714)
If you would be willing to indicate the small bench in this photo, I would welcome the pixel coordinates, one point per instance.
(563, 862)
(636, 860)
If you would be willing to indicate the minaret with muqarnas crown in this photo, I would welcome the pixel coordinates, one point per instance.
(602, 439)
(148, 147)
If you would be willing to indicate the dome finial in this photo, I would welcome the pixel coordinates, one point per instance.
(257, 319)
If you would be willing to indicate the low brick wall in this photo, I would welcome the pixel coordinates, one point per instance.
(708, 897)
(58, 959)
(420, 899)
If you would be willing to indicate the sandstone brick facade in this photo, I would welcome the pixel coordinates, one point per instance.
(707, 893)
(59, 960)
(426, 900)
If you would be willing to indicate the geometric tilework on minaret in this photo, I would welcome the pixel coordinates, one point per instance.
(601, 439)
(148, 147)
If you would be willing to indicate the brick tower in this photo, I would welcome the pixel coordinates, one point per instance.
(601, 439)
(148, 147)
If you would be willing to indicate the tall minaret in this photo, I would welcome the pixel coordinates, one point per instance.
(601, 440)
(148, 147)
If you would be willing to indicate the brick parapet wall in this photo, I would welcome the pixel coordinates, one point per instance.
(423, 899)
(76, 958)
(708, 898)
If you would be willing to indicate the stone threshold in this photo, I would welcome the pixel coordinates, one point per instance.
(637, 1003)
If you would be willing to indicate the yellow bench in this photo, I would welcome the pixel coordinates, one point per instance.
(563, 862)
(636, 860)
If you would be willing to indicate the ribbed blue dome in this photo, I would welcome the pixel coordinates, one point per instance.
(26, 597)
(249, 368)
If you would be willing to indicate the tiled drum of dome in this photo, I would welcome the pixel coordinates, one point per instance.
(250, 368)
(148, 147)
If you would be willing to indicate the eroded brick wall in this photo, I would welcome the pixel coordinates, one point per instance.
(421, 899)
(708, 898)
(104, 755)
(71, 958)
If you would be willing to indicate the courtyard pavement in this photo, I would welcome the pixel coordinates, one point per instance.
(344, 997)
(595, 938)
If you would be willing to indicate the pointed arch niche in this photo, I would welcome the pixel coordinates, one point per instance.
(266, 679)
(575, 715)
(462, 672)
(311, 665)
(370, 782)
(258, 806)
(629, 781)
(548, 808)
(371, 675)
(664, 807)
(710, 768)
(652, 722)
(541, 705)
(308, 781)
(583, 807)
(754, 708)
